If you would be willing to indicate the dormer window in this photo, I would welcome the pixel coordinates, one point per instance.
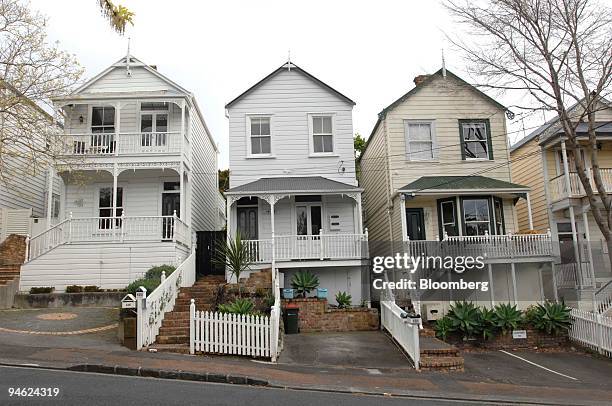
(322, 134)
(475, 139)
(260, 135)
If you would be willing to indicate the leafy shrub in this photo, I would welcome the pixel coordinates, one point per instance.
(507, 317)
(343, 299)
(92, 288)
(551, 317)
(74, 289)
(444, 327)
(303, 282)
(149, 285)
(269, 300)
(156, 271)
(238, 306)
(41, 289)
(486, 323)
(465, 318)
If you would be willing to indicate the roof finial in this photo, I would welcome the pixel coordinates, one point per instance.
(127, 59)
(289, 60)
(443, 65)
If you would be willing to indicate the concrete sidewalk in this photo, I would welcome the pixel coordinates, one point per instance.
(462, 386)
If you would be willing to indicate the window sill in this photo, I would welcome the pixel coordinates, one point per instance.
(478, 160)
(423, 161)
(323, 155)
(260, 156)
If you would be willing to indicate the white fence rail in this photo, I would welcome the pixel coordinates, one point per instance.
(313, 247)
(110, 229)
(592, 330)
(161, 301)
(558, 185)
(573, 275)
(405, 331)
(234, 334)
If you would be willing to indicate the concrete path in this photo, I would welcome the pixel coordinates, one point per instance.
(362, 349)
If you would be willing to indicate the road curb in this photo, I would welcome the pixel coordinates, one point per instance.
(169, 374)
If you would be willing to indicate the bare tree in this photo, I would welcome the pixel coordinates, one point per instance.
(32, 72)
(117, 15)
(559, 52)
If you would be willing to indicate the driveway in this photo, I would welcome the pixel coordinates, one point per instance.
(70, 327)
(360, 349)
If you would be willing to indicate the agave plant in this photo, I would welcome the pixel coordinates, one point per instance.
(486, 323)
(235, 256)
(238, 306)
(507, 317)
(464, 316)
(343, 299)
(551, 317)
(303, 282)
(444, 327)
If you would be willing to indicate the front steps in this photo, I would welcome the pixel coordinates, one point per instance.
(174, 332)
(436, 355)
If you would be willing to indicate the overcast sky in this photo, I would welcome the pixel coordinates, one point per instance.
(367, 50)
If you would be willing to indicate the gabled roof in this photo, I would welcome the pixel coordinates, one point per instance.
(548, 124)
(133, 62)
(424, 83)
(292, 66)
(294, 184)
(438, 183)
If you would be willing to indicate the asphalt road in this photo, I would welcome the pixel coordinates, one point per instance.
(76, 388)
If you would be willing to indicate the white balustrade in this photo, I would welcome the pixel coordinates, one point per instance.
(309, 247)
(603, 298)
(404, 330)
(162, 299)
(491, 246)
(122, 143)
(110, 229)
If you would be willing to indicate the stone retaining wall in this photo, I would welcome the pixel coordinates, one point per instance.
(53, 300)
(316, 316)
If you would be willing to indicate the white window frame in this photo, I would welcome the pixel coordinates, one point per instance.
(90, 116)
(308, 206)
(56, 205)
(154, 138)
(248, 135)
(434, 144)
(311, 134)
(100, 186)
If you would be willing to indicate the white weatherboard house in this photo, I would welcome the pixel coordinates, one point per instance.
(141, 180)
(293, 193)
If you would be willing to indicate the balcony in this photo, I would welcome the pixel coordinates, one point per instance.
(110, 229)
(494, 248)
(558, 185)
(123, 144)
(310, 248)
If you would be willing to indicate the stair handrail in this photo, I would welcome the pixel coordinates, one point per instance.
(603, 298)
(34, 242)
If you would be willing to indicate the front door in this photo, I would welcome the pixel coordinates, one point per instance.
(171, 202)
(247, 223)
(415, 224)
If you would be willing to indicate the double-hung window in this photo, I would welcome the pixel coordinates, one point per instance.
(153, 124)
(476, 216)
(420, 140)
(103, 129)
(105, 207)
(322, 134)
(260, 141)
(475, 139)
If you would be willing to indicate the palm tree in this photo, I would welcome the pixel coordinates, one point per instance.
(235, 256)
(117, 15)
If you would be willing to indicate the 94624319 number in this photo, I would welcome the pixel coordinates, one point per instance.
(31, 392)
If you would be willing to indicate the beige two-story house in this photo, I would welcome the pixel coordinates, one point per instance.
(547, 163)
(437, 181)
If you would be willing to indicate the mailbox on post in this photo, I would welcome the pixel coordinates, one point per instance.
(128, 302)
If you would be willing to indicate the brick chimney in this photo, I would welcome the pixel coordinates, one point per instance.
(420, 79)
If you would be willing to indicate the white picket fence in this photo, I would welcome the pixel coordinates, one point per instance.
(234, 334)
(592, 330)
(404, 331)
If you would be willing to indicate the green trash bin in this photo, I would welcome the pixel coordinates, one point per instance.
(291, 320)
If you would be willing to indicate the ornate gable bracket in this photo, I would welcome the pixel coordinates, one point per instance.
(356, 196)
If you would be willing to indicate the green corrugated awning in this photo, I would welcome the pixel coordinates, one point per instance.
(462, 183)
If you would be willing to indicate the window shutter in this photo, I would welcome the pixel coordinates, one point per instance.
(489, 140)
(407, 139)
(461, 143)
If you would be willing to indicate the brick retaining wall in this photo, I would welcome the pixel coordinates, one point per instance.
(535, 338)
(316, 316)
(12, 250)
